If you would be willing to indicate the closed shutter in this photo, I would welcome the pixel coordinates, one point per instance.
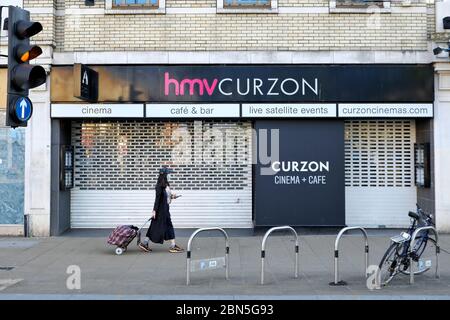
(379, 172)
(117, 162)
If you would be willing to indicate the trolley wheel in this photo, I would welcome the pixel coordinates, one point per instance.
(119, 251)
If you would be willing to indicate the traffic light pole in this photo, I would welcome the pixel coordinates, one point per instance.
(21, 75)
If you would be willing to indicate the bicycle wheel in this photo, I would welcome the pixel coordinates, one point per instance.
(418, 250)
(389, 264)
(421, 244)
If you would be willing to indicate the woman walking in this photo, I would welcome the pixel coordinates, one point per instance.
(161, 228)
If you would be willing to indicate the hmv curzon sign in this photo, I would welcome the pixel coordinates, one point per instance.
(293, 83)
(256, 86)
(259, 83)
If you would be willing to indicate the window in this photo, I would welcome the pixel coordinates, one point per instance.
(246, 3)
(422, 165)
(359, 3)
(135, 6)
(247, 6)
(135, 3)
(12, 170)
(360, 6)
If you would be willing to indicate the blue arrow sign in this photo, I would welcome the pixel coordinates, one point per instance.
(23, 109)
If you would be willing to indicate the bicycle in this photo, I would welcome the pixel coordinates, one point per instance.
(396, 259)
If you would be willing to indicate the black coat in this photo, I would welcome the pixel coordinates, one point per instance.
(161, 228)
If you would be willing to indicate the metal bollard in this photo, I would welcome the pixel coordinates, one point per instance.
(188, 252)
(413, 240)
(336, 281)
(263, 249)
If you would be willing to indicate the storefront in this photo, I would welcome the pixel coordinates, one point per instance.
(12, 170)
(259, 145)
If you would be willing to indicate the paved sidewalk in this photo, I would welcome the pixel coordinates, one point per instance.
(40, 265)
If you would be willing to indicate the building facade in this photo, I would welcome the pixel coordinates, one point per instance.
(299, 112)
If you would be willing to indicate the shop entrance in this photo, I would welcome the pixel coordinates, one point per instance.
(12, 169)
(299, 181)
(117, 162)
(379, 172)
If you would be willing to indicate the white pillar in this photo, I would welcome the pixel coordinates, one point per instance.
(442, 146)
(37, 162)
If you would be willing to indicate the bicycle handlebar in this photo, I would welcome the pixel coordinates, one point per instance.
(422, 212)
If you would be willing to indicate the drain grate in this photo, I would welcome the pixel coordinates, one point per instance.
(6, 268)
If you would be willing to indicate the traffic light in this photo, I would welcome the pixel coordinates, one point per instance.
(21, 75)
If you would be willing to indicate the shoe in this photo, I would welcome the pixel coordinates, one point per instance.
(144, 247)
(176, 249)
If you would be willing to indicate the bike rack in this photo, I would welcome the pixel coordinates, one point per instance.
(413, 239)
(263, 249)
(188, 253)
(338, 282)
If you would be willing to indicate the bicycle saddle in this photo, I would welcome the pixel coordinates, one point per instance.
(413, 215)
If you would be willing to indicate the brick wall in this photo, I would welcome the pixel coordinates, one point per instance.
(202, 32)
(40, 3)
(126, 155)
(48, 20)
(431, 19)
(210, 32)
(48, 35)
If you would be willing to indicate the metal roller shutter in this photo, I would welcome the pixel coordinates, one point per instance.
(116, 165)
(379, 172)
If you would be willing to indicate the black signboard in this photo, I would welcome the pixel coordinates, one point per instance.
(259, 83)
(85, 83)
(300, 180)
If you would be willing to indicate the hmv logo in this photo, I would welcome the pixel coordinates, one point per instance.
(242, 86)
(189, 84)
